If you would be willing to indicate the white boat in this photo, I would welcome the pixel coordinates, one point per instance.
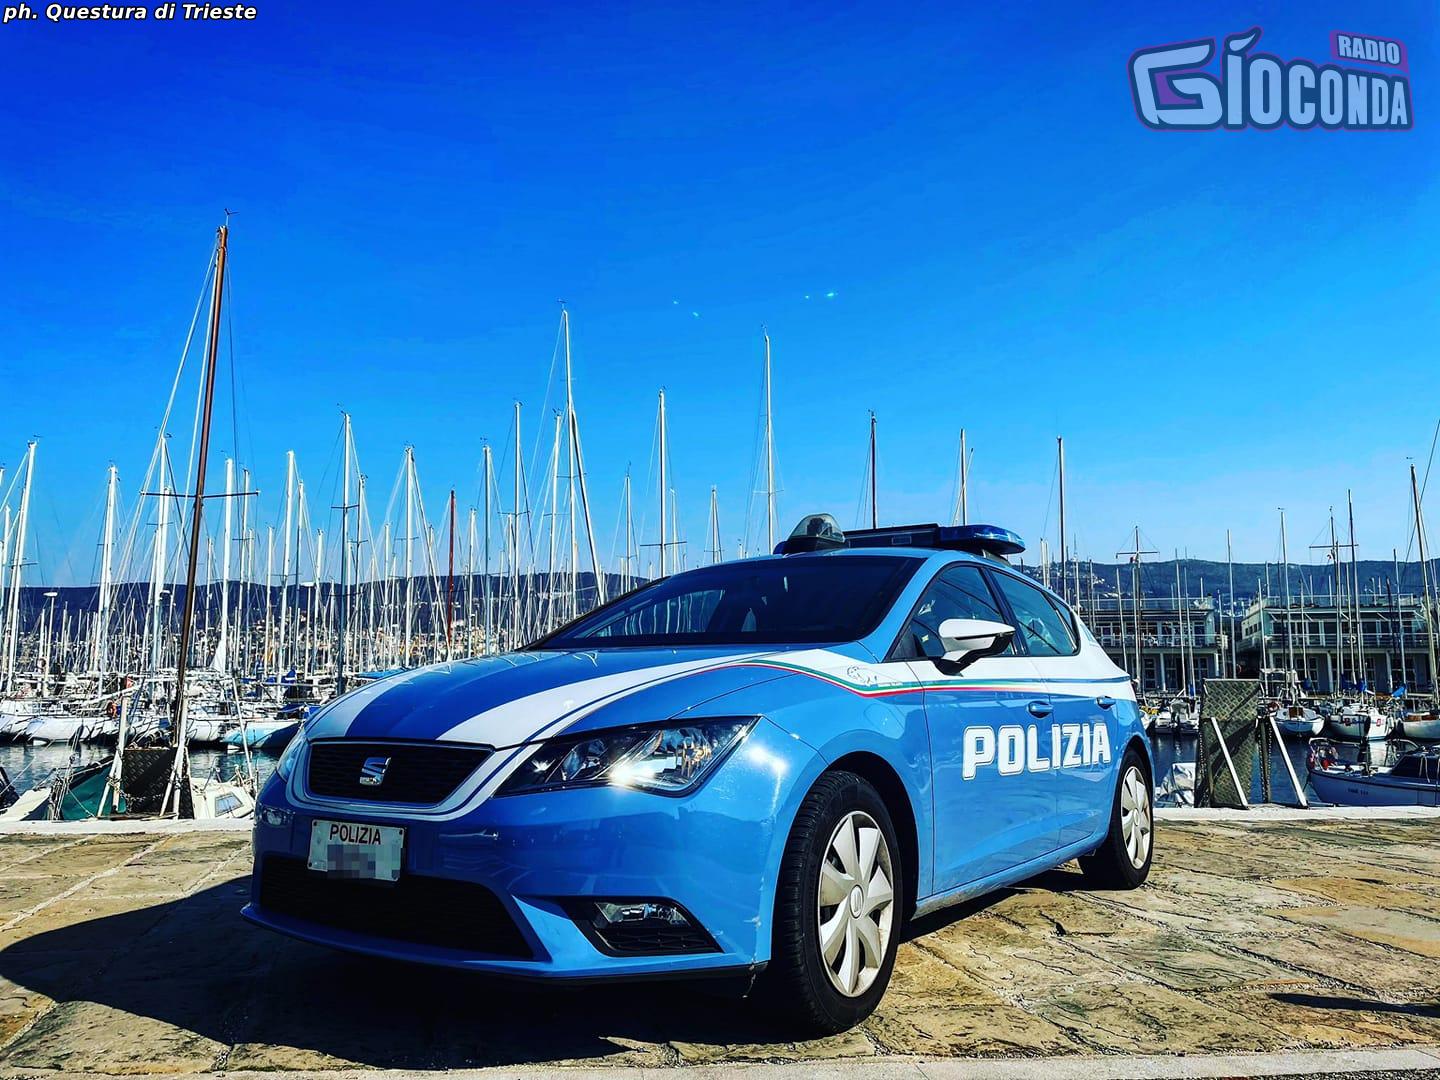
(221, 799)
(210, 730)
(1413, 780)
(1424, 726)
(1296, 719)
(56, 728)
(1360, 721)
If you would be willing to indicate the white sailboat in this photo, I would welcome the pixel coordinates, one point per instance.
(1422, 725)
(1298, 719)
(1359, 720)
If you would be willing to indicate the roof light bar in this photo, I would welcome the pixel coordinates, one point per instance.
(818, 532)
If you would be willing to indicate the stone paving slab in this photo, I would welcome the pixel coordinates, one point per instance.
(122, 953)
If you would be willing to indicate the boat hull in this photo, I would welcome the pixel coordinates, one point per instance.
(44, 730)
(1421, 726)
(1376, 789)
(1369, 726)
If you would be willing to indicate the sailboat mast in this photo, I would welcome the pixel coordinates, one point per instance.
(573, 465)
(1339, 606)
(409, 554)
(964, 481)
(485, 583)
(12, 640)
(585, 509)
(222, 647)
(1139, 631)
(284, 618)
(1230, 567)
(664, 517)
(1424, 577)
(515, 543)
(470, 537)
(1289, 613)
(629, 535)
(769, 457)
(1064, 555)
(247, 571)
(714, 529)
(874, 509)
(107, 560)
(342, 621)
(450, 584)
(1359, 660)
(181, 773)
(554, 530)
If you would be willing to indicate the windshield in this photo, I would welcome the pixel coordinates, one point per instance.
(770, 602)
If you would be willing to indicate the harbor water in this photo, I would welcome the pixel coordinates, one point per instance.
(30, 765)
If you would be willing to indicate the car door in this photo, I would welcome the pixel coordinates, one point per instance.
(988, 724)
(1083, 715)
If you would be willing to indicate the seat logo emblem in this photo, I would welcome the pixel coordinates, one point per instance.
(372, 773)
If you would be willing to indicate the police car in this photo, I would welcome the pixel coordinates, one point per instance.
(762, 768)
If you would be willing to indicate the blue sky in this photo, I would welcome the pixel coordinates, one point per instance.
(1218, 323)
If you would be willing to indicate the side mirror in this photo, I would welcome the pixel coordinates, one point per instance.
(967, 640)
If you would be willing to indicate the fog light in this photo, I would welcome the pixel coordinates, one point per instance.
(643, 927)
(274, 817)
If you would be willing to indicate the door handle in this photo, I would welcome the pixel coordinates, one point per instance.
(1105, 702)
(1040, 709)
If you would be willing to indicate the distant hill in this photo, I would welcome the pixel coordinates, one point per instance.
(1208, 577)
(1198, 577)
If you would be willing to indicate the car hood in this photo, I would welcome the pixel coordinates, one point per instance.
(518, 697)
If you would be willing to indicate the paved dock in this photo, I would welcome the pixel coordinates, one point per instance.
(123, 953)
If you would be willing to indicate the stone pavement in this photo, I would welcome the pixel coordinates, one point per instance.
(122, 952)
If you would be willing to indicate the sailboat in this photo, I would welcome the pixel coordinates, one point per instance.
(1360, 720)
(1421, 725)
(1298, 718)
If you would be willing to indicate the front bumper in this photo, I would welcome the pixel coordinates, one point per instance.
(714, 852)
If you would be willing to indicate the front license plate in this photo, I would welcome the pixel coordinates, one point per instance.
(350, 849)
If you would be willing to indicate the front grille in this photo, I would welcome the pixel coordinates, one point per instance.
(423, 910)
(422, 775)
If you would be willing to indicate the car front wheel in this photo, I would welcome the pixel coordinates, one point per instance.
(1122, 861)
(838, 907)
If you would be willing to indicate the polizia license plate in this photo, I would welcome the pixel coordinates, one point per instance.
(351, 849)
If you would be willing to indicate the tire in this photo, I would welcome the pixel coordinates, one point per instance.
(1122, 861)
(828, 969)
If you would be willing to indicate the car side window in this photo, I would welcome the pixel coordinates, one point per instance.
(1039, 623)
(959, 592)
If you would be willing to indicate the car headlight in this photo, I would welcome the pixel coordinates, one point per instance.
(286, 764)
(670, 759)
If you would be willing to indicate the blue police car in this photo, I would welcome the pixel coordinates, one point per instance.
(763, 768)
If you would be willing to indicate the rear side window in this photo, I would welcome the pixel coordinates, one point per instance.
(959, 592)
(1039, 622)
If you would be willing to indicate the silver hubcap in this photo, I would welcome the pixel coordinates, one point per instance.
(1135, 822)
(856, 903)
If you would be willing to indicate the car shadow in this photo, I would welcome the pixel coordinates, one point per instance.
(1060, 880)
(195, 964)
(1360, 1005)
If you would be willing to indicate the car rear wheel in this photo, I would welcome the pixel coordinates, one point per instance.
(838, 907)
(1123, 860)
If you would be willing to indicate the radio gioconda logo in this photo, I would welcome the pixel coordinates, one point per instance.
(1174, 91)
